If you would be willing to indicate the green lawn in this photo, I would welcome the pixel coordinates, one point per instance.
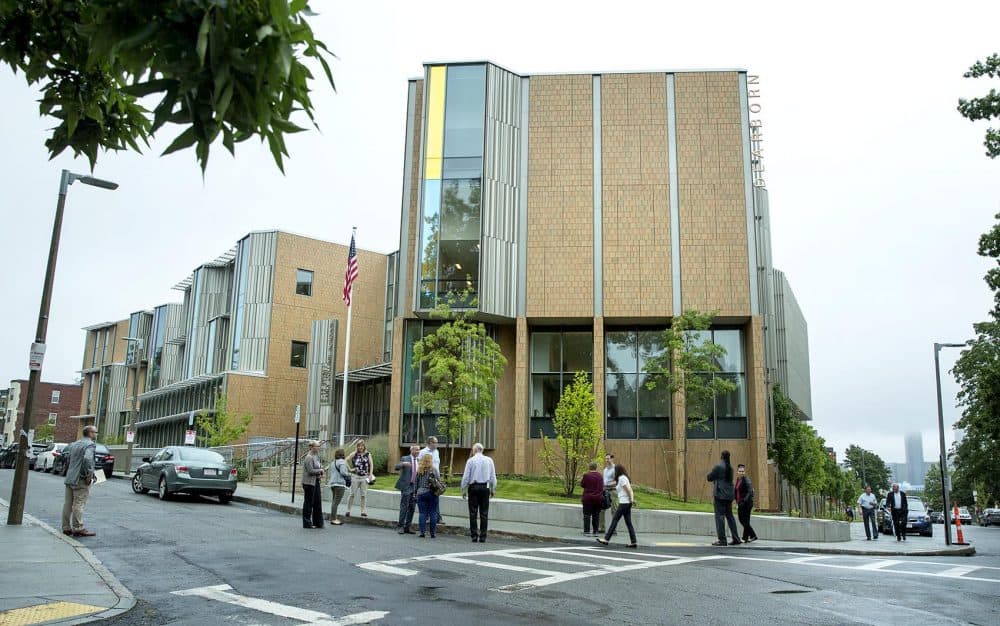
(535, 489)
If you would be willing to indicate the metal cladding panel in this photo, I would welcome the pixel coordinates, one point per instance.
(116, 396)
(320, 391)
(211, 296)
(501, 193)
(259, 297)
(171, 369)
(792, 341)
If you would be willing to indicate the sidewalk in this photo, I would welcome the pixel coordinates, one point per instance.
(458, 524)
(49, 578)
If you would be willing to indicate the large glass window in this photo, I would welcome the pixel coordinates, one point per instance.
(240, 297)
(303, 282)
(727, 412)
(556, 357)
(633, 411)
(158, 335)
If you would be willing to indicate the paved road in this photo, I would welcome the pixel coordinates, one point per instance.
(194, 561)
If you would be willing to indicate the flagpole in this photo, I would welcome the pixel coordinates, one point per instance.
(347, 342)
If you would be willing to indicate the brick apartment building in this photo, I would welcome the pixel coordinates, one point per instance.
(55, 403)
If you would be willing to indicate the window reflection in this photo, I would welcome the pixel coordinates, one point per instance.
(556, 357)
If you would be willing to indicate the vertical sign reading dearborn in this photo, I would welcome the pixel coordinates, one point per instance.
(756, 131)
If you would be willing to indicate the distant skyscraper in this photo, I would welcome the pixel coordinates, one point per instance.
(914, 444)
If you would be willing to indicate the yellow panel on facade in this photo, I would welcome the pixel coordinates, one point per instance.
(435, 123)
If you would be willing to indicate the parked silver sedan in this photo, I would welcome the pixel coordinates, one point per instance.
(184, 469)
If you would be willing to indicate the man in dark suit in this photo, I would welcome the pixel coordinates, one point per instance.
(895, 506)
(407, 485)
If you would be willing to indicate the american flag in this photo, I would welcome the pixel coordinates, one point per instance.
(351, 273)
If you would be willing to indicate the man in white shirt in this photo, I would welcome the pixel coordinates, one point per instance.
(431, 449)
(479, 484)
(867, 501)
(609, 485)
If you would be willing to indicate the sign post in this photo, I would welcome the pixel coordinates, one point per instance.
(295, 459)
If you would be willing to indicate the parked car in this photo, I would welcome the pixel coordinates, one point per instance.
(103, 460)
(34, 451)
(964, 516)
(184, 469)
(937, 517)
(47, 458)
(8, 456)
(990, 517)
(918, 519)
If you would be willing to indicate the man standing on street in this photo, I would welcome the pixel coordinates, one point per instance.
(609, 486)
(479, 484)
(895, 504)
(312, 475)
(407, 485)
(744, 502)
(867, 502)
(432, 449)
(80, 475)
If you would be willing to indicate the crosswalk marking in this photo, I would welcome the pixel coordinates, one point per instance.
(223, 593)
(512, 568)
(959, 571)
(876, 565)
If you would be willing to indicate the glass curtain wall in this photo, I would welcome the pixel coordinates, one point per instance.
(729, 411)
(155, 355)
(556, 357)
(452, 185)
(240, 296)
(632, 410)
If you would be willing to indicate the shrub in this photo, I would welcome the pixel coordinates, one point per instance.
(379, 447)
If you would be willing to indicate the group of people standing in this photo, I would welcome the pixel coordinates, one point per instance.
(724, 491)
(354, 471)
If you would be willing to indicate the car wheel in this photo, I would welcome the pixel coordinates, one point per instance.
(137, 484)
(225, 498)
(162, 491)
(108, 473)
(46, 469)
(65, 468)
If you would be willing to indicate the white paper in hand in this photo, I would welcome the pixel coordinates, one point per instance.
(99, 478)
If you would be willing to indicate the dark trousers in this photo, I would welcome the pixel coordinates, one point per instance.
(899, 523)
(428, 504)
(724, 516)
(479, 507)
(591, 517)
(744, 509)
(868, 517)
(623, 511)
(312, 506)
(407, 503)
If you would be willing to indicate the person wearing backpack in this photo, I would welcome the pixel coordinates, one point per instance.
(427, 499)
(744, 502)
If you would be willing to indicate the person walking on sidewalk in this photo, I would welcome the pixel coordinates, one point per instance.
(895, 505)
(723, 494)
(407, 485)
(312, 474)
(592, 499)
(80, 474)
(744, 502)
(479, 484)
(339, 473)
(609, 485)
(360, 463)
(867, 502)
(626, 498)
(427, 500)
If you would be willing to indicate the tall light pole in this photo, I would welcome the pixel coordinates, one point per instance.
(943, 460)
(18, 489)
(134, 413)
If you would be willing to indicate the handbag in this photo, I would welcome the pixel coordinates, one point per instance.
(606, 504)
(437, 487)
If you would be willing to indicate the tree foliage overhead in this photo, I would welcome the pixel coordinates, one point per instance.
(577, 425)
(868, 468)
(986, 107)
(977, 371)
(216, 68)
(461, 366)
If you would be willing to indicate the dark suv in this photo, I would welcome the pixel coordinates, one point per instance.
(103, 460)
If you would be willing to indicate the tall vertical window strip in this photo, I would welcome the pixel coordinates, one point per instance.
(556, 357)
(728, 411)
(193, 329)
(158, 335)
(240, 295)
(453, 170)
(132, 346)
(634, 411)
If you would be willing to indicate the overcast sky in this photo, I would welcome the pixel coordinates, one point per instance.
(879, 189)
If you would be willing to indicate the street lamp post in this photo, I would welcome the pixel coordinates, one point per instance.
(943, 461)
(17, 491)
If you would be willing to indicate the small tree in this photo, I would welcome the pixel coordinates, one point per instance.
(932, 488)
(461, 366)
(688, 364)
(44, 432)
(868, 468)
(224, 427)
(578, 432)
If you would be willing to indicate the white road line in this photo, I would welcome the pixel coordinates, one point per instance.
(878, 565)
(388, 569)
(803, 559)
(221, 593)
(859, 567)
(958, 571)
(545, 559)
(568, 576)
(490, 564)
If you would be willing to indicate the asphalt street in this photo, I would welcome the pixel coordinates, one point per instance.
(194, 561)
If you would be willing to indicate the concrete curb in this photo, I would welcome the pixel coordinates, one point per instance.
(125, 598)
(960, 551)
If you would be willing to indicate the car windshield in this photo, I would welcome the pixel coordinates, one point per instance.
(915, 506)
(200, 454)
(101, 449)
(963, 511)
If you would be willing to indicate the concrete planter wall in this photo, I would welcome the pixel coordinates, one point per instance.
(569, 516)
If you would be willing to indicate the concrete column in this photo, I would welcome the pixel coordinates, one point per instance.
(522, 375)
(599, 367)
(396, 390)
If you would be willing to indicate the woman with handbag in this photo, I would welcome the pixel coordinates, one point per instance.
(592, 499)
(340, 480)
(361, 466)
(625, 499)
(427, 499)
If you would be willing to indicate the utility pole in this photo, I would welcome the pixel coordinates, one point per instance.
(295, 459)
(943, 453)
(20, 485)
